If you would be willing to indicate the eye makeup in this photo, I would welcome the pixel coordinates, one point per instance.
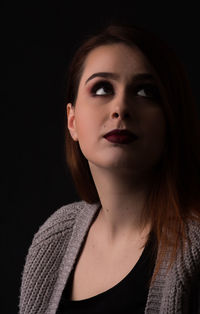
(105, 85)
(150, 89)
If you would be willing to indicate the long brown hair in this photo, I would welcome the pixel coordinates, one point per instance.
(174, 196)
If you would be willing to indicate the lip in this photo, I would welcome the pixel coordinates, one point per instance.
(121, 136)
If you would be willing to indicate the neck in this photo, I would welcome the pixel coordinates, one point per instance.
(123, 204)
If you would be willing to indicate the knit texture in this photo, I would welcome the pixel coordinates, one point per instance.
(56, 246)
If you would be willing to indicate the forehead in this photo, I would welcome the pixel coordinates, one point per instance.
(118, 58)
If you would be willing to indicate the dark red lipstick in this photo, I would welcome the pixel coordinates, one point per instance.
(120, 136)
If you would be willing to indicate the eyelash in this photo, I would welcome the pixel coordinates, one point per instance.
(105, 84)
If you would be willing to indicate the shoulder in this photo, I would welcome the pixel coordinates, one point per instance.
(60, 223)
(188, 267)
(189, 258)
(58, 229)
(193, 231)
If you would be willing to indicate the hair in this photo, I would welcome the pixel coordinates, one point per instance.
(174, 195)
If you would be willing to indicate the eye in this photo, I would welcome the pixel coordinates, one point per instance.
(148, 91)
(102, 88)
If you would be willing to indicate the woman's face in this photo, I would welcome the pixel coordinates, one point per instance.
(118, 99)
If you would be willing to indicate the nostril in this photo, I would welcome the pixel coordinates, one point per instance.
(125, 115)
(116, 114)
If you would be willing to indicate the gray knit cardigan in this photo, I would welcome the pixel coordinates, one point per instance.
(54, 250)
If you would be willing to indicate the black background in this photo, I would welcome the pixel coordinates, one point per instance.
(40, 40)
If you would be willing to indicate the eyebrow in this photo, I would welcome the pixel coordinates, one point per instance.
(115, 76)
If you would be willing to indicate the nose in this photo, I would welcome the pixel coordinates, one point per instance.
(120, 108)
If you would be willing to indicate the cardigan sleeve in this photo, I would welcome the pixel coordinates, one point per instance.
(44, 258)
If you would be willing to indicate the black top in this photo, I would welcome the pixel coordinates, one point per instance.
(128, 296)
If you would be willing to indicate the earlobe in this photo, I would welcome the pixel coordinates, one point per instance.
(71, 122)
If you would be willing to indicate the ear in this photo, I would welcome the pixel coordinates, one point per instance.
(71, 121)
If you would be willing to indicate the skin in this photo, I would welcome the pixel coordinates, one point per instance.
(122, 173)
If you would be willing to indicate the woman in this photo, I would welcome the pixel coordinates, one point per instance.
(132, 244)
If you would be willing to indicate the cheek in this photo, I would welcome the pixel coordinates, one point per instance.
(86, 124)
(155, 129)
(154, 122)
